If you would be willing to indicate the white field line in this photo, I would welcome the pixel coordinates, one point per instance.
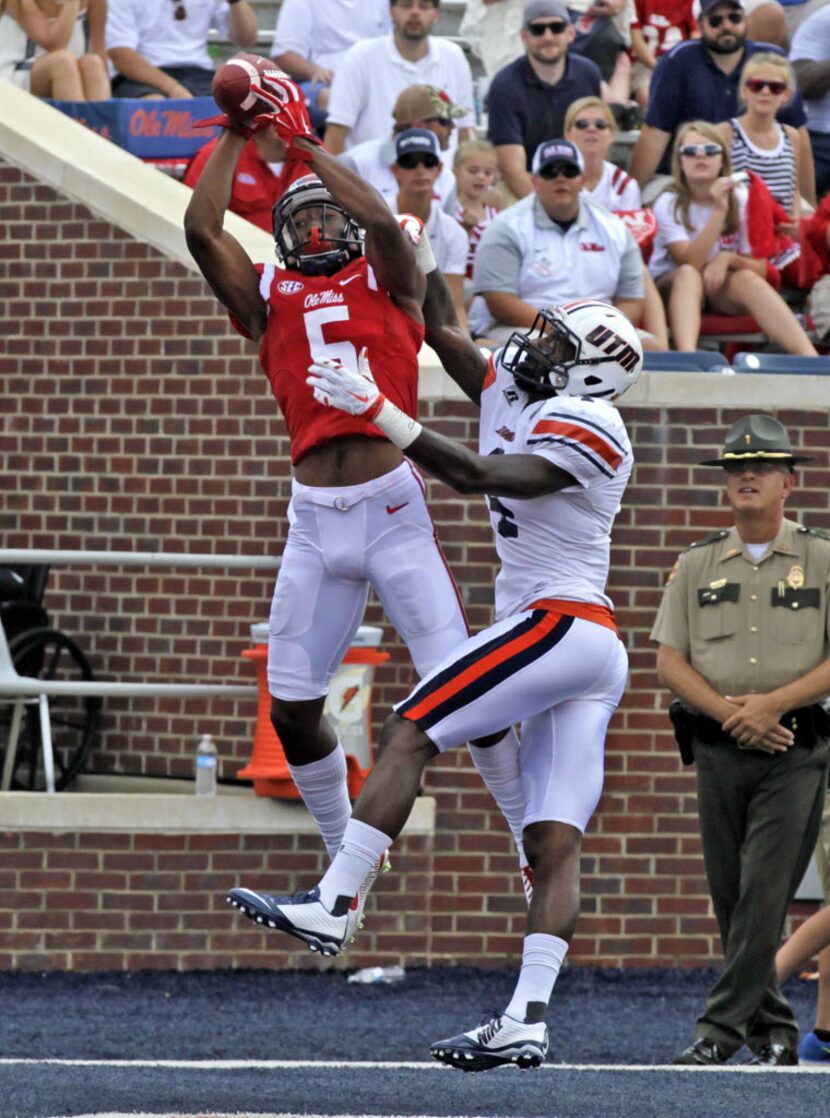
(390, 1065)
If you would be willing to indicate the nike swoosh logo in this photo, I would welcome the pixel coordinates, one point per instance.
(396, 508)
(349, 280)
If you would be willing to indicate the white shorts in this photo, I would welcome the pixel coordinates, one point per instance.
(340, 542)
(560, 677)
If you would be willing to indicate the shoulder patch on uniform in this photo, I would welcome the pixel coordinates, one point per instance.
(820, 532)
(713, 537)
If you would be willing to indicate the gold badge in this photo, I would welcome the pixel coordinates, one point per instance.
(795, 577)
(717, 584)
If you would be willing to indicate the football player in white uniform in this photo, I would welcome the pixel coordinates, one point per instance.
(554, 462)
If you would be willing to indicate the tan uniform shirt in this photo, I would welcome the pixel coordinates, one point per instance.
(749, 626)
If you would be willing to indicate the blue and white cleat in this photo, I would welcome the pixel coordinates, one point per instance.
(499, 1041)
(302, 916)
(813, 1051)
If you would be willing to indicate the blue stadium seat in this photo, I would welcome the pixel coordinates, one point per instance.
(702, 361)
(780, 363)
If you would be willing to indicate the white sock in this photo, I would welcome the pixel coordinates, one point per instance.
(357, 857)
(542, 957)
(322, 784)
(499, 768)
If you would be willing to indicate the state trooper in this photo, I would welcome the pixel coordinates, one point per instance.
(743, 644)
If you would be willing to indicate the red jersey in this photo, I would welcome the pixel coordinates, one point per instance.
(333, 316)
(256, 189)
(664, 23)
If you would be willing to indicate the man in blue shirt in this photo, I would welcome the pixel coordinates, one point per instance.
(528, 98)
(698, 80)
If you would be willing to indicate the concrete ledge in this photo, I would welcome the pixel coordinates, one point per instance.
(234, 811)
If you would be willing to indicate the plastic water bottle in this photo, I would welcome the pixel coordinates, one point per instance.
(206, 765)
(370, 975)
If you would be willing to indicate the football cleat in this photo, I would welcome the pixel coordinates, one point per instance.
(302, 916)
(499, 1041)
(703, 1051)
(814, 1051)
(384, 865)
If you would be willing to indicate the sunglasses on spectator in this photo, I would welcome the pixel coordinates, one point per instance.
(733, 17)
(418, 159)
(701, 149)
(601, 123)
(758, 85)
(179, 10)
(554, 170)
(444, 121)
(555, 26)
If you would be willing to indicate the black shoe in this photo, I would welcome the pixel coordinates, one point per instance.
(703, 1051)
(775, 1056)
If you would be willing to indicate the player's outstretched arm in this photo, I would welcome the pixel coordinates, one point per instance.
(388, 249)
(457, 352)
(500, 475)
(221, 258)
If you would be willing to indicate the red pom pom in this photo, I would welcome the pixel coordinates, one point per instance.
(232, 85)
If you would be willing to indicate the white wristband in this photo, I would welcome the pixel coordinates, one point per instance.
(424, 256)
(400, 428)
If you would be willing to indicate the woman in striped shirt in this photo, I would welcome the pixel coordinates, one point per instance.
(757, 142)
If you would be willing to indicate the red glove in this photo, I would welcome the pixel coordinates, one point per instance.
(293, 123)
(247, 129)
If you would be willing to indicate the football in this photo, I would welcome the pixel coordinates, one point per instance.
(232, 85)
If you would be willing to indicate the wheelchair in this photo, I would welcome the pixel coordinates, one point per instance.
(42, 652)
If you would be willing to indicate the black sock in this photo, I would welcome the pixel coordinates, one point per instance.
(535, 1012)
(823, 1035)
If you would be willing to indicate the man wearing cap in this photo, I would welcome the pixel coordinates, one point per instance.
(743, 644)
(698, 80)
(415, 170)
(551, 248)
(372, 74)
(528, 99)
(418, 106)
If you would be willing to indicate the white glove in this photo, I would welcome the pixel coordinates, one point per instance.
(338, 387)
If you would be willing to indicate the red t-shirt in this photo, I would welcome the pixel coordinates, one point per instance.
(256, 189)
(333, 316)
(664, 23)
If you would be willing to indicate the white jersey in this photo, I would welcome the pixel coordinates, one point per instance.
(556, 546)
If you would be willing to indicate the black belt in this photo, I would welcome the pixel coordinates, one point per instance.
(809, 726)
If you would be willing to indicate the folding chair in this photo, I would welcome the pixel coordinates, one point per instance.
(731, 331)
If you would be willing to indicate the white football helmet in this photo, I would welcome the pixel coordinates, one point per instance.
(314, 234)
(584, 348)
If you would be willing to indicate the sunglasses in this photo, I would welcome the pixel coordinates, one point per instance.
(758, 85)
(555, 26)
(444, 121)
(701, 149)
(554, 170)
(584, 124)
(417, 159)
(733, 17)
(757, 465)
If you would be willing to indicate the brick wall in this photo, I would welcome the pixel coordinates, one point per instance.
(132, 418)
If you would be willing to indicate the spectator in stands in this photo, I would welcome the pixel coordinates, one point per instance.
(603, 34)
(478, 200)
(55, 48)
(703, 254)
(658, 25)
(416, 167)
(492, 27)
(528, 99)
(418, 106)
(810, 56)
(311, 38)
(553, 247)
(372, 74)
(260, 178)
(757, 142)
(698, 80)
(766, 22)
(589, 125)
(160, 48)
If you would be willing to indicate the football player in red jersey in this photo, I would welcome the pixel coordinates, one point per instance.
(357, 517)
